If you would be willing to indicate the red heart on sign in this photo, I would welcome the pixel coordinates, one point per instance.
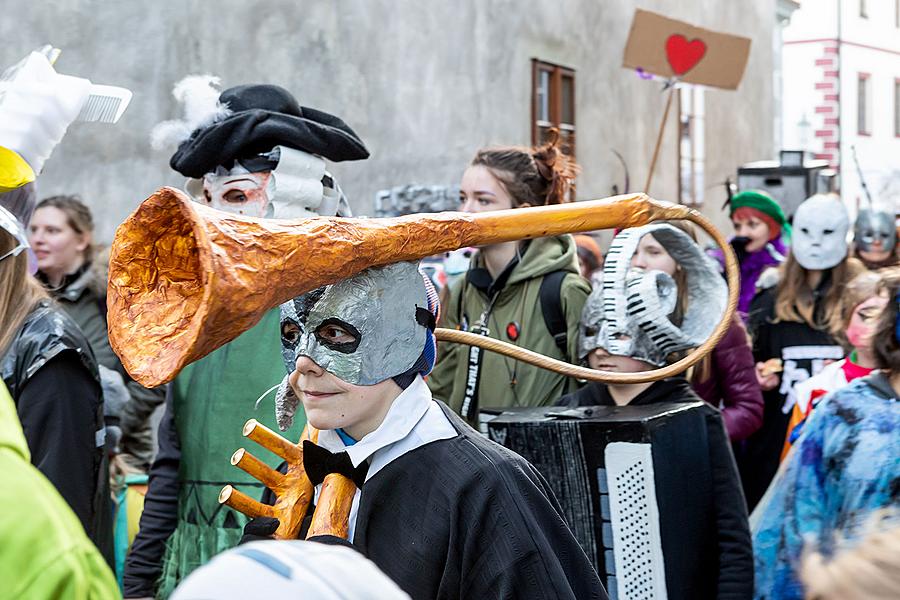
(684, 55)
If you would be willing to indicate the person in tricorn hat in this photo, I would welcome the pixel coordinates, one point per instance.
(251, 150)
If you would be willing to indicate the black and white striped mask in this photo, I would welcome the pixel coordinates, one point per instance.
(630, 313)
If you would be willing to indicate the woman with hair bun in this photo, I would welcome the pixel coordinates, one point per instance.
(528, 293)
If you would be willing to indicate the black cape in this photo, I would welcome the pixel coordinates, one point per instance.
(466, 518)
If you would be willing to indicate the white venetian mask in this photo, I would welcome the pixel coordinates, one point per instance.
(820, 226)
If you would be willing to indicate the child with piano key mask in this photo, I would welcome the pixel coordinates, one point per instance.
(642, 318)
(643, 313)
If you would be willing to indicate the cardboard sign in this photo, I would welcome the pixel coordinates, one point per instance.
(671, 48)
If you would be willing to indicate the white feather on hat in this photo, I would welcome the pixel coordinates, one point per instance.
(199, 96)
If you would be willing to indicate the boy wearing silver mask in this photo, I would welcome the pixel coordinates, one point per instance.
(440, 509)
(251, 150)
(641, 319)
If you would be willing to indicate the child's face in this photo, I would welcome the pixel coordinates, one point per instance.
(601, 360)
(332, 403)
(863, 321)
(754, 230)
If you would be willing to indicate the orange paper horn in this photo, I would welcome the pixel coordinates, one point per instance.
(185, 279)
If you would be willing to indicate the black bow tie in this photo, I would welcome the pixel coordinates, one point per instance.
(319, 462)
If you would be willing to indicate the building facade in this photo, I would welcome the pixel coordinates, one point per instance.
(425, 84)
(842, 91)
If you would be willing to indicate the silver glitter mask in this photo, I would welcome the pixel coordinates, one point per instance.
(382, 311)
(628, 315)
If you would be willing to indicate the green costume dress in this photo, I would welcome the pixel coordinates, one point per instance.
(212, 399)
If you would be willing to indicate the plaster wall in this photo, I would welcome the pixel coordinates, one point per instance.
(423, 83)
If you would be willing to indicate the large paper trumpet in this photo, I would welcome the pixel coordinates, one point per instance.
(185, 279)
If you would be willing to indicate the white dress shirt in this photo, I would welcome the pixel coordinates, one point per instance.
(413, 420)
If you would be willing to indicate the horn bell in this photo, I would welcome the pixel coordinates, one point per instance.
(184, 279)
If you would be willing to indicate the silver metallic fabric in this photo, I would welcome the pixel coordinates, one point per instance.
(378, 307)
(875, 230)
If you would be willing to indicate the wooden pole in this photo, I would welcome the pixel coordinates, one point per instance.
(270, 440)
(659, 138)
(332, 516)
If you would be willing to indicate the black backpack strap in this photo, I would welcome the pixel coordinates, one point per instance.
(551, 307)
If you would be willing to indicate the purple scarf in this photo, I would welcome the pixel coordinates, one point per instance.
(752, 266)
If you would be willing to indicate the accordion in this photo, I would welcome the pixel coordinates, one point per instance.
(631, 480)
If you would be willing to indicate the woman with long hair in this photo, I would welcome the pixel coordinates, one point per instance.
(792, 327)
(49, 369)
(528, 293)
(61, 234)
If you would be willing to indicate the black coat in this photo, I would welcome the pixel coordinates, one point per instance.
(803, 351)
(723, 567)
(467, 518)
(51, 374)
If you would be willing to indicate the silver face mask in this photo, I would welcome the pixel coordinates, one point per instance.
(380, 314)
(629, 313)
(653, 296)
(820, 226)
(875, 230)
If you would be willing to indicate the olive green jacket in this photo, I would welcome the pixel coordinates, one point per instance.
(503, 381)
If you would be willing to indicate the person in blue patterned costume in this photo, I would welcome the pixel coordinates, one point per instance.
(845, 465)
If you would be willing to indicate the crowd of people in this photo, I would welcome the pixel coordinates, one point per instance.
(801, 421)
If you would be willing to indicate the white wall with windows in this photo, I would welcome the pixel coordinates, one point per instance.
(841, 64)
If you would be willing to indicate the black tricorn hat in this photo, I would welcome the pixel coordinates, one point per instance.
(261, 117)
